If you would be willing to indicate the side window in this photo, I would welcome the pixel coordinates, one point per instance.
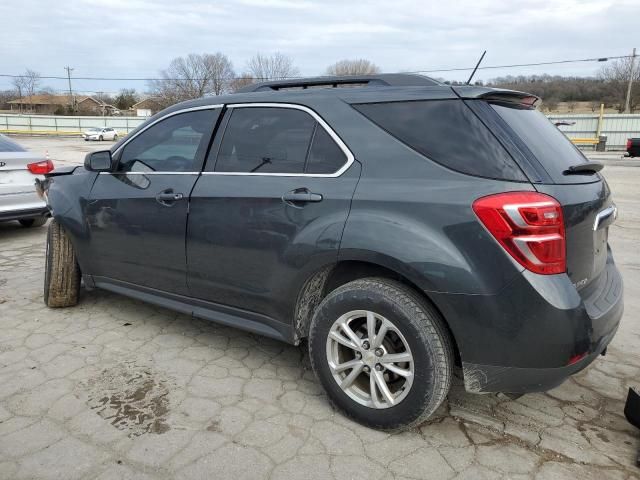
(176, 144)
(265, 140)
(447, 132)
(325, 156)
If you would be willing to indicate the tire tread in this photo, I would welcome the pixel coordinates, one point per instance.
(62, 274)
(427, 321)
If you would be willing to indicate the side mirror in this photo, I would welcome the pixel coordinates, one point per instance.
(98, 161)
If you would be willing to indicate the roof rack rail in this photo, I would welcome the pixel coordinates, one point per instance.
(380, 80)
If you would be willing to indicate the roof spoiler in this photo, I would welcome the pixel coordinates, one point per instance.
(497, 94)
(381, 80)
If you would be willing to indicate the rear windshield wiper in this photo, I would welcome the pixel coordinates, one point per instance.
(588, 168)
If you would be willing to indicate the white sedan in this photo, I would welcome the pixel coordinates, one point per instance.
(100, 134)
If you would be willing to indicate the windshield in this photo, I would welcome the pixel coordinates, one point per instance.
(549, 145)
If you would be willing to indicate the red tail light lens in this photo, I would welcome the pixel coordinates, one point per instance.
(628, 144)
(40, 168)
(529, 226)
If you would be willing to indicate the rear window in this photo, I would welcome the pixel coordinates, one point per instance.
(447, 132)
(7, 145)
(549, 145)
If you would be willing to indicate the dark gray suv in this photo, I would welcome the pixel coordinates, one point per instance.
(403, 227)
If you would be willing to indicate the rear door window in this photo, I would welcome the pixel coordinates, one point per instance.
(266, 140)
(447, 132)
(553, 150)
(325, 156)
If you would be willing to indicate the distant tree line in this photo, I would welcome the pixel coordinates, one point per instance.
(608, 87)
(197, 75)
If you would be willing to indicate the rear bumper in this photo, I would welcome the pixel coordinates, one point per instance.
(523, 339)
(23, 202)
(491, 378)
(24, 214)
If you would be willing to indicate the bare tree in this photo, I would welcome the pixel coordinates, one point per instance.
(271, 67)
(104, 98)
(26, 85)
(19, 86)
(616, 74)
(241, 81)
(5, 97)
(359, 66)
(193, 76)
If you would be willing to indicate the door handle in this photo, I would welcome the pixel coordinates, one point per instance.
(301, 196)
(167, 197)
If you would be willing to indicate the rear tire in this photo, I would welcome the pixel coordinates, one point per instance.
(33, 222)
(414, 330)
(100, 138)
(62, 274)
(115, 138)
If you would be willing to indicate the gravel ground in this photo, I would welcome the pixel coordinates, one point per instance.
(115, 389)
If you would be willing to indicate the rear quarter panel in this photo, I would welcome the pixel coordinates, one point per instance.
(414, 216)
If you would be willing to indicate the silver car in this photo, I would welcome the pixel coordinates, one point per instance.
(19, 169)
(99, 133)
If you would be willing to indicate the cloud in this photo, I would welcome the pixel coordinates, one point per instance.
(137, 38)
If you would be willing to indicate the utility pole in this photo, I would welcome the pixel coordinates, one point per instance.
(627, 105)
(72, 106)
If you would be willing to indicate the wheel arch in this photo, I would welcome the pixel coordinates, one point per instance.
(322, 282)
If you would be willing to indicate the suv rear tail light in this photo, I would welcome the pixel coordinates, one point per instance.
(40, 168)
(628, 144)
(529, 226)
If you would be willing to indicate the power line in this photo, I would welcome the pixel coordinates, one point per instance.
(440, 70)
(514, 65)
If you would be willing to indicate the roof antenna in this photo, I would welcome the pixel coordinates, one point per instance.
(477, 65)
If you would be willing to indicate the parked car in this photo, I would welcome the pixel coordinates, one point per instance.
(96, 133)
(401, 226)
(633, 147)
(19, 169)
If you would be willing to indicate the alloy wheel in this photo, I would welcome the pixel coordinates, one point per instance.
(370, 359)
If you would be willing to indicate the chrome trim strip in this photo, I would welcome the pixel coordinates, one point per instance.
(522, 244)
(604, 214)
(184, 110)
(149, 173)
(513, 210)
(320, 120)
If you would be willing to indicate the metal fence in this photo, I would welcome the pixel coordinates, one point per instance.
(63, 125)
(617, 127)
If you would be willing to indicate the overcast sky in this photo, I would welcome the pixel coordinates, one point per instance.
(137, 38)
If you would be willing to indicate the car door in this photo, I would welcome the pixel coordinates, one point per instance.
(137, 213)
(270, 208)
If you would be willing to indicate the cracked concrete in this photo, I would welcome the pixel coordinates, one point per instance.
(117, 389)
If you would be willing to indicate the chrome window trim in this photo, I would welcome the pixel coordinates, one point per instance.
(171, 114)
(295, 106)
(149, 173)
(317, 118)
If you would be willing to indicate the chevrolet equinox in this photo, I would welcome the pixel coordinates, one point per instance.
(401, 226)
